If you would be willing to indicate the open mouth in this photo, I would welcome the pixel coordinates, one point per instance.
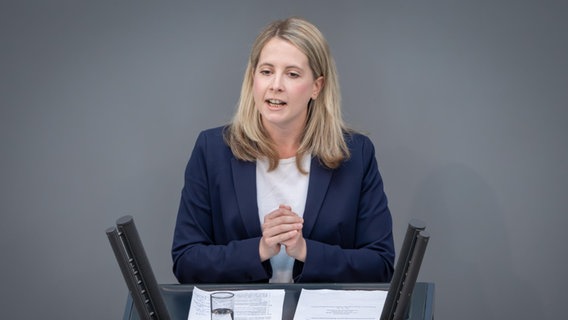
(275, 103)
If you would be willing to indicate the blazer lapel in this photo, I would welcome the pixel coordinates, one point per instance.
(320, 178)
(244, 179)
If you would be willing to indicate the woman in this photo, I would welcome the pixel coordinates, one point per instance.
(285, 192)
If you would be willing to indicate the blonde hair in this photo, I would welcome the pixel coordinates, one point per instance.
(323, 135)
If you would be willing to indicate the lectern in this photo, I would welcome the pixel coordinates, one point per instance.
(147, 300)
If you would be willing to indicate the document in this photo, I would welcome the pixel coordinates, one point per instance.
(328, 304)
(249, 304)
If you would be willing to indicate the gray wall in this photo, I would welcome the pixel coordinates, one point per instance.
(101, 102)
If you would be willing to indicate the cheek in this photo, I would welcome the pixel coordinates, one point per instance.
(303, 91)
(257, 90)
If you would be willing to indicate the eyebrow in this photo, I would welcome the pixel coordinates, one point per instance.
(268, 64)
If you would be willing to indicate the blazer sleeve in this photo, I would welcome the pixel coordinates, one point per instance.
(202, 251)
(362, 249)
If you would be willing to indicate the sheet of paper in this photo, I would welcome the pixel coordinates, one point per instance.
(249, 304)
(340, 304)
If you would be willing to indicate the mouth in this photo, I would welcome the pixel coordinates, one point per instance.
(275, 103)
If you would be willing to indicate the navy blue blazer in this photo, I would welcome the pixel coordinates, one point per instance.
(347, 222)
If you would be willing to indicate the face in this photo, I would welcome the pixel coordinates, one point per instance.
(283, 84)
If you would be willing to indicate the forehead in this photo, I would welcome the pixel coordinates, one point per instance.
(278, 51)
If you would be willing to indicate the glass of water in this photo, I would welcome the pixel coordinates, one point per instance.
(222, 304)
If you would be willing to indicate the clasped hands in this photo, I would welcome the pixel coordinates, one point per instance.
(282, 227)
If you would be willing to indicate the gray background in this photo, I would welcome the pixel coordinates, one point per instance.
(101, 102)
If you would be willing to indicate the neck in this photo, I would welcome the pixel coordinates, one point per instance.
(287, 146)
(287, 142)
(286, 152)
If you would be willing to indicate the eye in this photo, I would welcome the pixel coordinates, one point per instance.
(293, 75)
(264, 72)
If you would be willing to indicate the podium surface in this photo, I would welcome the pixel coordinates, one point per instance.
(178, 297)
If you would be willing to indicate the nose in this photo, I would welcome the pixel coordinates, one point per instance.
(276, 84)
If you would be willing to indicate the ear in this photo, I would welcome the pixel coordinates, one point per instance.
(318, 85)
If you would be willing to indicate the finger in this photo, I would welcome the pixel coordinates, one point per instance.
(280, 229)
(282, 220)
(273, 228)
(286, 224)
(296, 248)
(279, 234)
(279, 212)
(284, 237)
(291, 242)
(267, 249)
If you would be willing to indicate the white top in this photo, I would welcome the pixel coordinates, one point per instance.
(284, 185)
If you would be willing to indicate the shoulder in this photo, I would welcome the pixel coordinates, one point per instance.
(357, 142)
(212, 136)
(211, 142)
(213, 133)
(361, 149)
